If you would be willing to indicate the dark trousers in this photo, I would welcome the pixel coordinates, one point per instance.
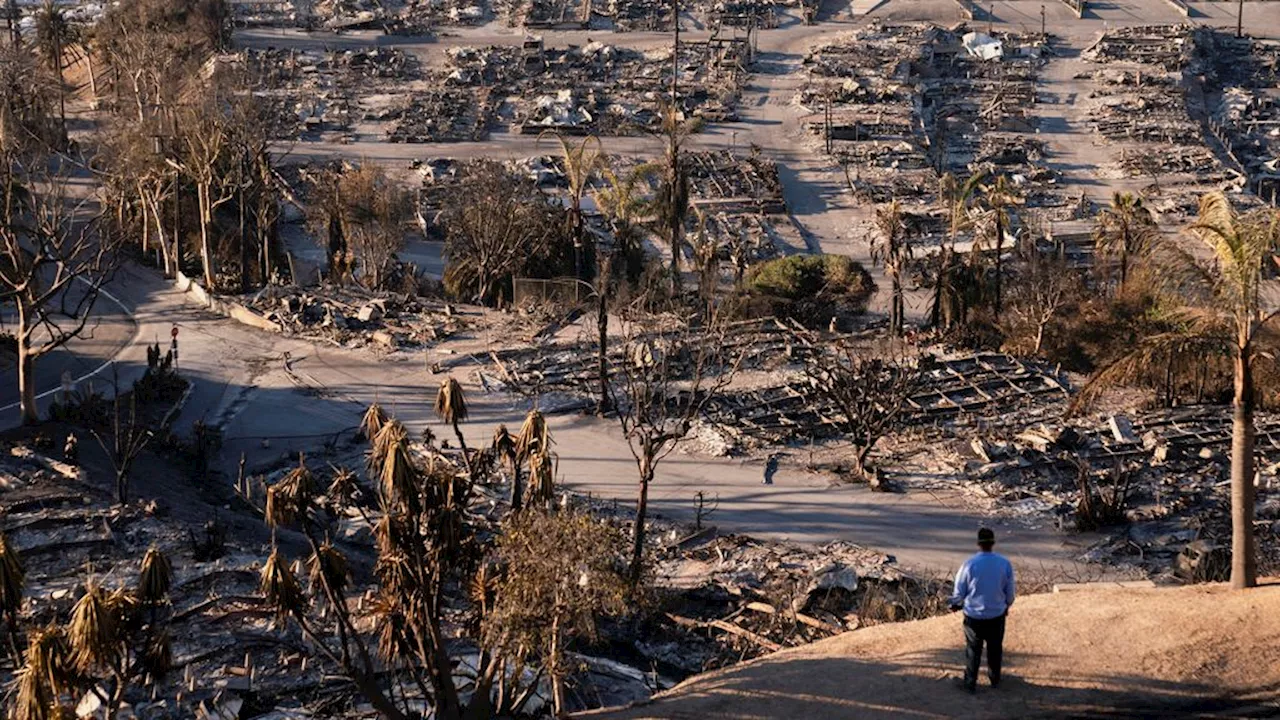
(977, 632)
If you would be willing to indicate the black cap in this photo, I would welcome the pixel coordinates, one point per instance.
(986, 535)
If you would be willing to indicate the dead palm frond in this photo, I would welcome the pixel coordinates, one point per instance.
(372, 422)
(534, 436)
(394, 641)
(328, 566)
(503, 444)
(155, 577)
(44, 677)
(280, 588)
(344, 488)
(1125, 230)
(93, 634)
(396, 473)
(156, 658)
(451, 407)
(541, 479)
(12, 577)
(289, 500)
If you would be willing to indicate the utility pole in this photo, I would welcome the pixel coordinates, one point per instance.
(1240, 19)
(991, 19)
(675, 53)
(1043, 34)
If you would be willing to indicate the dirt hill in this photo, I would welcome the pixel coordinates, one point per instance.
(1200, 651)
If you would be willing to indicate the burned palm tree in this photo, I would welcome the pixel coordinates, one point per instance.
(451, 407)
(534, 436)
(999, 198)
(372, 421)
(893, 251)
(580, 165)
(1125, 230)
(673, 193)
(951, 292)
(504, 446)
(155, 577)
(1228, 304)
(623, 204)
(46, 675)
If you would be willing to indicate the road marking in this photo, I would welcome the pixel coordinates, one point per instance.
(100, 368)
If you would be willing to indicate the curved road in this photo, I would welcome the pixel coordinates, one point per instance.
(240, 383)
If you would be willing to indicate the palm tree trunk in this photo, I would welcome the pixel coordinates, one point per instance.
(461, 443)
(517, 492)
(1243, 564)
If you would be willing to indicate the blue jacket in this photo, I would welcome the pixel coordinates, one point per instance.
(984, 586)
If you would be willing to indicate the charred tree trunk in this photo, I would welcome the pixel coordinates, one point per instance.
(602, 333)
(26, 377)
(642, 510)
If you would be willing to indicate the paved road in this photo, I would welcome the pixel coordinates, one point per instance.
(265, 411)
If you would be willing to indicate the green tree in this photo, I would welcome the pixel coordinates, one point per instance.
(1226, 306)
(999, 199)
(53, 34)
(893, 251)
(581, 163)
(1124, 230)
(949, 297)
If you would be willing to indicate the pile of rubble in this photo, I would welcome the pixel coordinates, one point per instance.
(756, 597)
(1166, 471)
(1245, 115)
(1147, 105)
(598, 88)
(314, 91)
(979, 112)
(448, 115)
(394, 16)
(865, 88)
(353, 317)
(902, 104)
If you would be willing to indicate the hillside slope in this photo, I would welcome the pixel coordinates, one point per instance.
(1199, 651)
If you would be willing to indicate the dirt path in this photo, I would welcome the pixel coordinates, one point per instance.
(1199, 651)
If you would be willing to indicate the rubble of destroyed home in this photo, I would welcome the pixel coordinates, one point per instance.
(720, 599)
(1148, 106)
(597, 88)
(392, 16)
(901, 105)
(1244, 104)
(353, 317)
(313, 93)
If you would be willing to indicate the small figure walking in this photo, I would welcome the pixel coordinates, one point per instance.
(984, 590)
(770, 468)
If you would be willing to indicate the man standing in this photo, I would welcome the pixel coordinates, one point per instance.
(984, 590)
